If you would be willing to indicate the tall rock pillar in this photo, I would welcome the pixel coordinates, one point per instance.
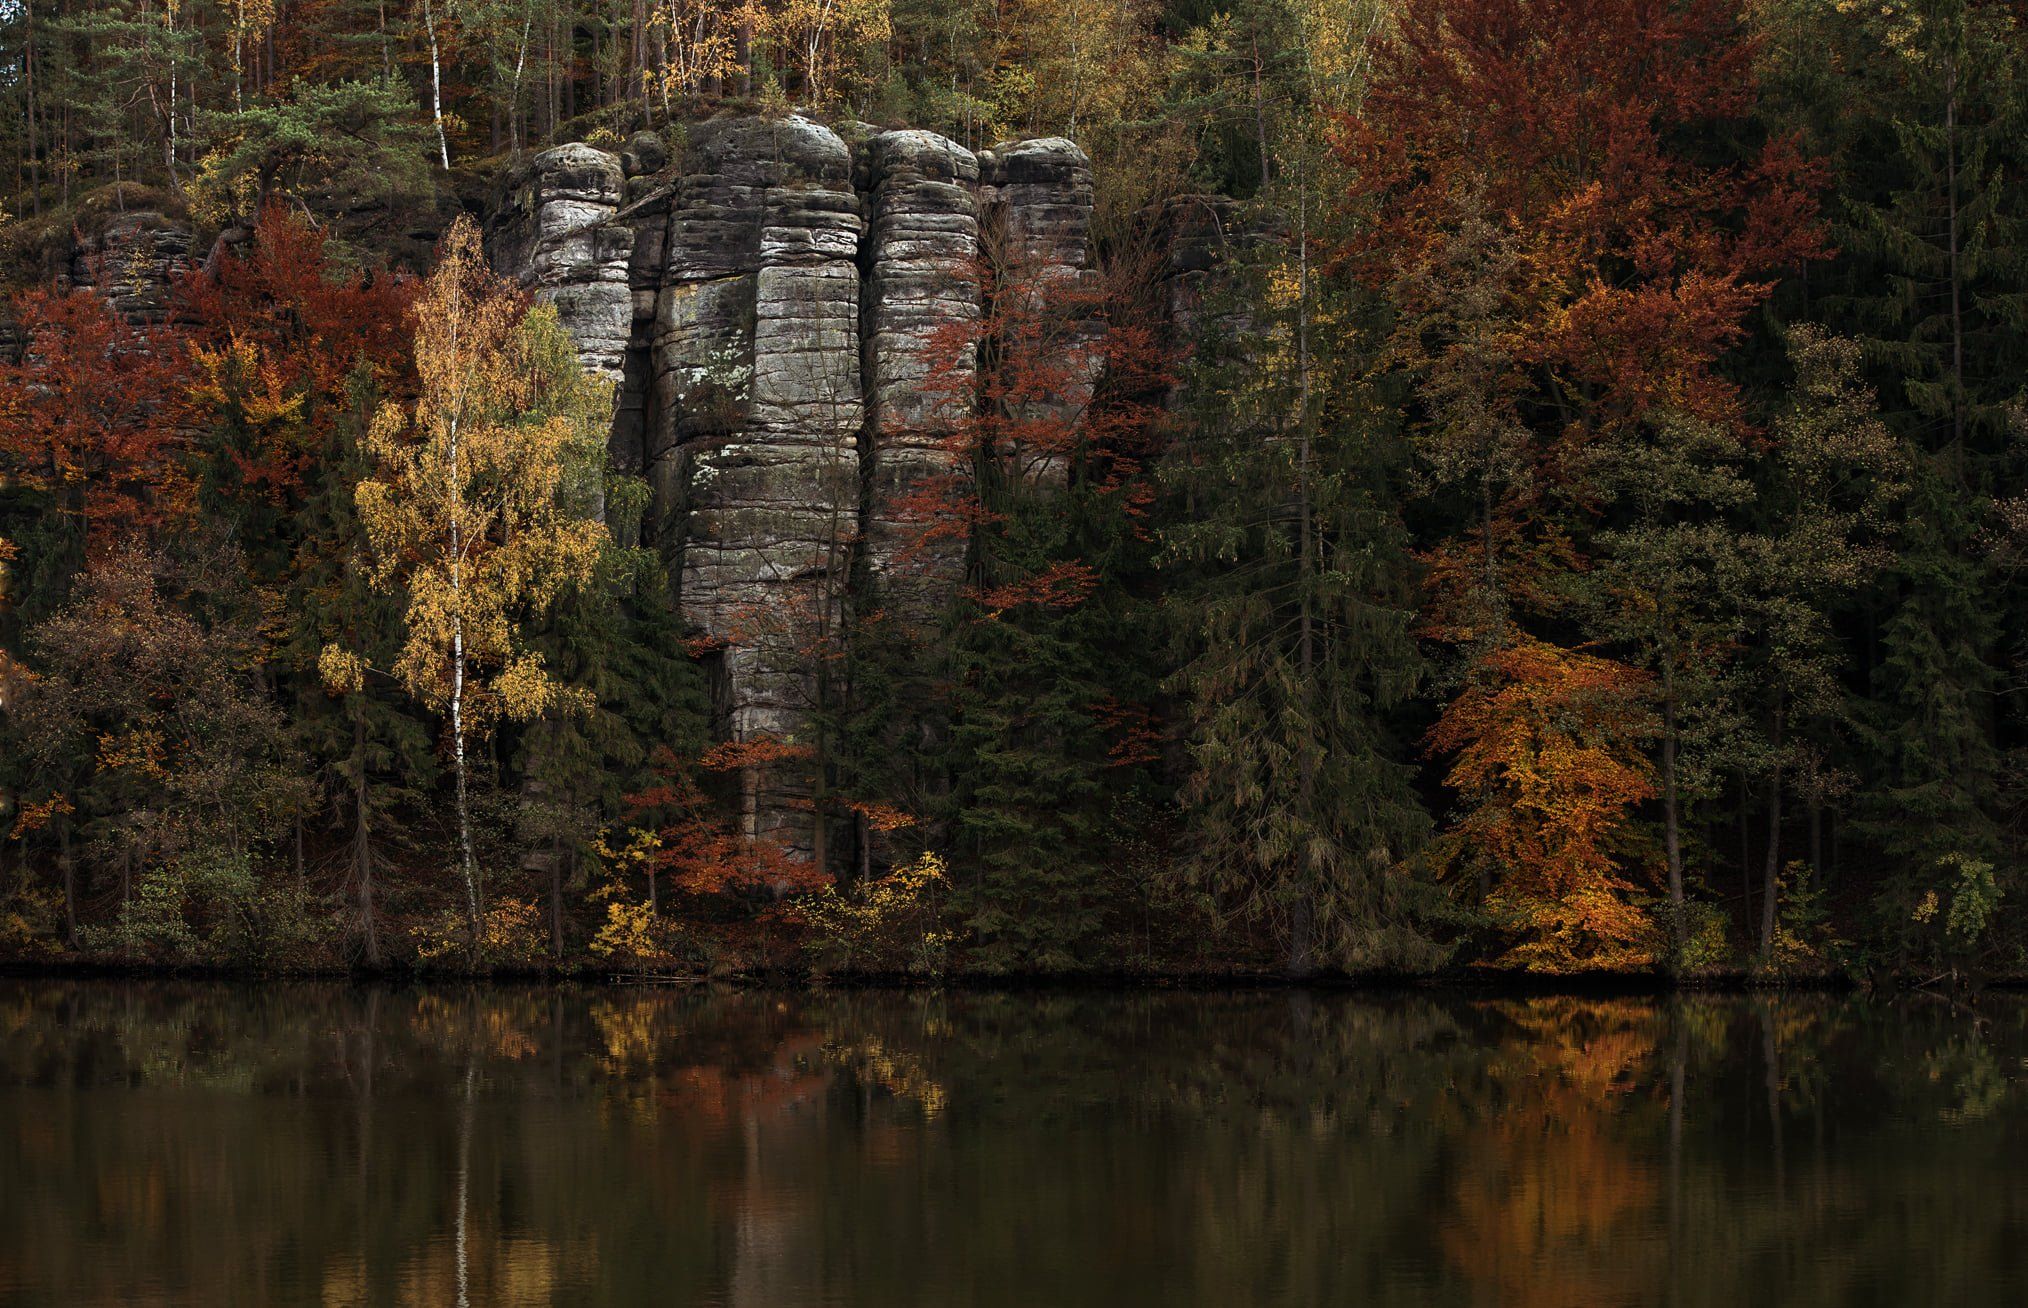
(756, 361)
(921, 317)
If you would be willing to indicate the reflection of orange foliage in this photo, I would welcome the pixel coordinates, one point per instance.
(1542, 1210)
(1547, 743)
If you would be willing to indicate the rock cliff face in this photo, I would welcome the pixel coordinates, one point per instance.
(773, 304)
(554, 229)
(921, 311)
(133, 262)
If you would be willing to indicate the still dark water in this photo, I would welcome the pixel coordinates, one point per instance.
(302, 1144)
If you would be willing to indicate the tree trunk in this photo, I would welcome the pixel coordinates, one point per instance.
(1772, 871)
(520, 64)
(362, 838)
(1745, 849)
(1303, 925)
(69, 865)
(471, 864)
(436, 87)
(1956, 272)
(556, 900)
(1672, 832)
(29, 63)
(169, 141)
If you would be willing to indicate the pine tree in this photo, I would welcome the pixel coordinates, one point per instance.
(1665, 589)
(617, 638)
(1934, 284)
(1833, 477)
(1046, 743)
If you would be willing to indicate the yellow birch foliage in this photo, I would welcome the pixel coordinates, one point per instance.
(699, 41)
(470, 505)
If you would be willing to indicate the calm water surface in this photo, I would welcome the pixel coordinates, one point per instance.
(298, 1144)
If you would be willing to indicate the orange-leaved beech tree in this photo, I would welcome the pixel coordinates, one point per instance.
(1566, 206)
(1548, 739)
(277, 335)
(91, 418)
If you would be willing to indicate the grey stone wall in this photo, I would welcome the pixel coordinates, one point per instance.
(771, 302)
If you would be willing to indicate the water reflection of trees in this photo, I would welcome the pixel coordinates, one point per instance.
(290, 1143)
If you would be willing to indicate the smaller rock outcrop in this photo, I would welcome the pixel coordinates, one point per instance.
(553, 230)
(133, 261)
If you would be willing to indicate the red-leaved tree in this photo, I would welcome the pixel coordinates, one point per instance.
(92, 417)
(1566, 205)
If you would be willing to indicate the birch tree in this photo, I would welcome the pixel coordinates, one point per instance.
(470, 509)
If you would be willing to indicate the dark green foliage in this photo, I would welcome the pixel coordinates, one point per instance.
(1924, 130)
(374, 758)
(1048, 735)
(1424, 423)
(1292, 599)
(339, 146)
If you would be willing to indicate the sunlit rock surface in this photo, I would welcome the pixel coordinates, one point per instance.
(553, 230)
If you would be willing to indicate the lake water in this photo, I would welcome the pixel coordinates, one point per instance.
(321, 1144)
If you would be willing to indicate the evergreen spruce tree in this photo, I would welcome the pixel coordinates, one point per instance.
(374, 758)
(1934, 283)
(618, 638)
(1044, 752)
(1292, 596)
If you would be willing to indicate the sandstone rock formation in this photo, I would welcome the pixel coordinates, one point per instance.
(773, 303)
(553, 229)
(755, 418)
(1037, 200)
(133, 262)
(1199, 234)
(921, 307)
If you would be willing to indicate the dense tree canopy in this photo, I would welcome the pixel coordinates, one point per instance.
(1522, 483)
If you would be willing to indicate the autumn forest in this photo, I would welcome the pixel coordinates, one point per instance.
(989, 487)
